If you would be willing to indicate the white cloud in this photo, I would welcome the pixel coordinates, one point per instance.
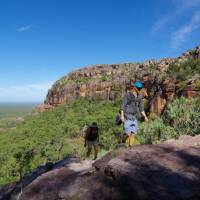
(180, 7)
(161, 23)
(186, 4)
(182, 33)
(24, 28)
(30, 93)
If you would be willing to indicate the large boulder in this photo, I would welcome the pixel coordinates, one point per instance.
(167, 171)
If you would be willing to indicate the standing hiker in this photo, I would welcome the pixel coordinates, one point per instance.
(92, 139)
(132, 105)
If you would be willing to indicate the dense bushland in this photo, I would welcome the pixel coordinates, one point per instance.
(53, 135)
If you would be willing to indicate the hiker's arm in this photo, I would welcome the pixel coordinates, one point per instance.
(86, 136)
(122, 116)
(141, 107)
(144, 115)
(124, 103)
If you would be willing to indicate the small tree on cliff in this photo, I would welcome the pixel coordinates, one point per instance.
(23, 159)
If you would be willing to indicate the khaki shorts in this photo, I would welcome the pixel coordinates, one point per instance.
(91, 144)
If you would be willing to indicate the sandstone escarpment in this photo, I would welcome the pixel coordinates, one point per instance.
(110, 82)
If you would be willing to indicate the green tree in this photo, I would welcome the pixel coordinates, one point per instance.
(23, 157)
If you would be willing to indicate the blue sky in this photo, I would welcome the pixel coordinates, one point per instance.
(42, 40)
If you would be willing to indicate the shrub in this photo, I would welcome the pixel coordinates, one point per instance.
(198, 84)
(155, 130)
(105, 78)
(184, 115)
(187, 69)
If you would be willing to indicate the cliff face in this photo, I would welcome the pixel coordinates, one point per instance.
(110, 82)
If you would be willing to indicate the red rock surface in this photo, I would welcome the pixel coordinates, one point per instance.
(190, 89)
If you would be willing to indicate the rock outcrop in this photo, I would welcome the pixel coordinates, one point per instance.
(190, 89)
(110, 82)
(170, 170)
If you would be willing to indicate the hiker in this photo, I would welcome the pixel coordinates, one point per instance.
(92, 139)
(132, 105)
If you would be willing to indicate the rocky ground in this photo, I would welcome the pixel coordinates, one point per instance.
(167, 171)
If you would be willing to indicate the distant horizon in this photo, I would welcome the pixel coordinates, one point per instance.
(20, 102)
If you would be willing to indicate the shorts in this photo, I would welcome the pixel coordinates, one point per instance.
(131, 126)
(91, 144)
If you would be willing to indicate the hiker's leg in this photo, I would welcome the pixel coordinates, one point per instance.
(128, 140)
(127, 130)
(124, 138)
(89, 151)
(89, 144)
(96, 149)
(132, 139)
(134, 129)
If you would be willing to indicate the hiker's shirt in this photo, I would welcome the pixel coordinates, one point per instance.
(132, 105)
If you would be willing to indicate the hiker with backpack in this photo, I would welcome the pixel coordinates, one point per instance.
(92, 139)
(131, 106)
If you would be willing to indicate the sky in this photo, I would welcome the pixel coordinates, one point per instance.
(43, 40)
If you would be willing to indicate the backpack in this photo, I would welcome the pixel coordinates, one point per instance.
(93, 133)
(118, 120)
